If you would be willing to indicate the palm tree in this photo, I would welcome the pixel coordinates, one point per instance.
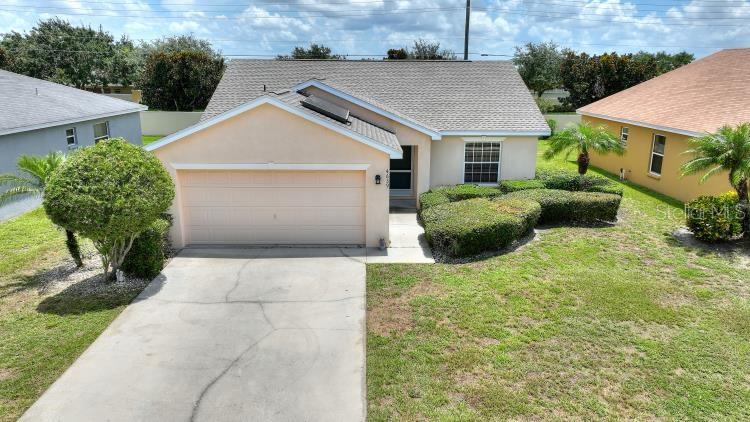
(726, 150)
(36, 172)
(581, 139)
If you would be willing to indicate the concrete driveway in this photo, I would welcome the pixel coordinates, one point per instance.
(223, 334)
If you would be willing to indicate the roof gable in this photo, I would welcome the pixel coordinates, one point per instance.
(360, 131)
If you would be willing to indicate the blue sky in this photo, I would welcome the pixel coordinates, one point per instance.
(370, 27)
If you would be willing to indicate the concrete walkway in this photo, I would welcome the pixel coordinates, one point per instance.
(225, 335)
(408, 244)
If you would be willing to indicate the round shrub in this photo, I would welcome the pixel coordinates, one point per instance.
(109, 192)
(507, 186)
(432, 198)
(714, 218)
(570, 180)
(145, 259)
(560, 206)
(469, 227)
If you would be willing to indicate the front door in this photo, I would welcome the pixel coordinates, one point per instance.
(401, 173)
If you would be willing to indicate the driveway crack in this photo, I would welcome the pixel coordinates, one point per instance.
(197, 405)
(237, 280)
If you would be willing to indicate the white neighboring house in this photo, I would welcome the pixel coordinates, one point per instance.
(38, 117)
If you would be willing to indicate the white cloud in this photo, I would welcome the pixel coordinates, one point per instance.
(355, 26)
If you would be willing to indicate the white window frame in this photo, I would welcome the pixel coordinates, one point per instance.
(74, 135)
(106, 126)
(653, 152)
(482, 140)
(624, 134)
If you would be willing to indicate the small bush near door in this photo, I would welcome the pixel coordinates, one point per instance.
(714, 218)
(473, 226)
(560, 206)
(148, 253)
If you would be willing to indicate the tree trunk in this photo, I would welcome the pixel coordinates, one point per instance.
(583, 163)
(742, 194)
(75, 251)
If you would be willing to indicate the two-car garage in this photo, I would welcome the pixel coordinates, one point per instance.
(268, 207)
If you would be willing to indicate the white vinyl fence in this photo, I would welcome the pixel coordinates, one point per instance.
(167, 122)
(563, 120)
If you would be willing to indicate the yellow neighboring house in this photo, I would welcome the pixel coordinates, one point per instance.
(656, 118)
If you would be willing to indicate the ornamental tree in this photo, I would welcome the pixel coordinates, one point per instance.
(109, 192)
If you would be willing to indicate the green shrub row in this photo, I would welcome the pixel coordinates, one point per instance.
(508, 186)
(714, 218)
(447, 194)
(560, 206)
(472, 226)
(572, 181)
(149, 251)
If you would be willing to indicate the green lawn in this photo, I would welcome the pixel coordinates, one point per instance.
(619, 322)
(147, 139)
(42, 333)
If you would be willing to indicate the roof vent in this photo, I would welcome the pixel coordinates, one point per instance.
(326, 108)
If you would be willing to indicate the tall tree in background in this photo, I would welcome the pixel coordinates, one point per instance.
(591, 78)
(539, 66)
(422, 50)
(315, 51)
(180, 74)
(79, 56)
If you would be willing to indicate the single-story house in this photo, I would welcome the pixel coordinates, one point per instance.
(312, 151)
(656, 118)
(38, 117)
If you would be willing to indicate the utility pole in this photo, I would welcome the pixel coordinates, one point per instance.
(466, 30)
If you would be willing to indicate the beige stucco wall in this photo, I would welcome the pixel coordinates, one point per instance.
(268, 134)
(517, 160)
(405, 135)
(637, 158)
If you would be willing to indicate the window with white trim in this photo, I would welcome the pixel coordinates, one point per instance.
(101, 131)
(657, 154)
(481, 162)
(624, 136)
(71, 138)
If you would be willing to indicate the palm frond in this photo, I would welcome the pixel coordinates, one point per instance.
(18, 192)
(726, 150)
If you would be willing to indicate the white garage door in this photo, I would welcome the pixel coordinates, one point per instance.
(273, 207)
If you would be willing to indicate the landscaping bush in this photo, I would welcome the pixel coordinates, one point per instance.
(572, 181)
(714, 218)
(146, 257)
(477, 225)
(507, 186)
(432, 198)
(109, 192)
(560, 206)
(468, 191)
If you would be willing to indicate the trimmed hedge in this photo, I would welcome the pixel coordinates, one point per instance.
(473, 226)
(560, 206)
(146, 257)
(714, 218)
(507, 186)
(570, 180)
(432, 198)
(447, 194)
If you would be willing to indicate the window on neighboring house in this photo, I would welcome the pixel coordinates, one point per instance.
(481, 162)
(70, 137)
(657, 154)
(624, 136)
(101, 131)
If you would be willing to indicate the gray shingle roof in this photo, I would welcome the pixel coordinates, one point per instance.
(29, 103)
(356, 125)
(440, 95)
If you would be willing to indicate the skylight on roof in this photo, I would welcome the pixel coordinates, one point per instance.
(326, 108)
